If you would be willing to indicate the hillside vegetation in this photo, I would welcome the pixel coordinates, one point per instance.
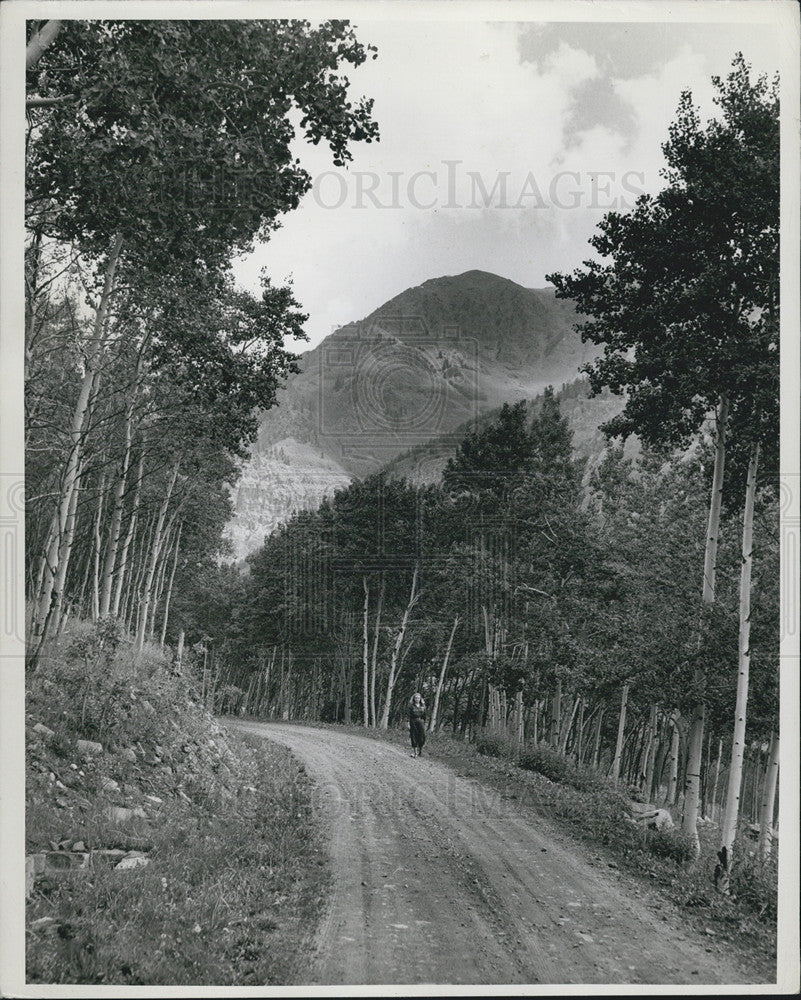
(161, 849)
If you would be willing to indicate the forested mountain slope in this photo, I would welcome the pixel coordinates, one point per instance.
(418, 369)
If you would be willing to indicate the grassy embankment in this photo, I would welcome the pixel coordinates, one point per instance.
(587, 806)
(223, 875)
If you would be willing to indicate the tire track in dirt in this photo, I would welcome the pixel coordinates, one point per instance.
(440, 879)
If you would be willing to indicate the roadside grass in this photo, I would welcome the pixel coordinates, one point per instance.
(587, 806)
(236, 875)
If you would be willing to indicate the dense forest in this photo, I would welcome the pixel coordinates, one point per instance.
(626, 614)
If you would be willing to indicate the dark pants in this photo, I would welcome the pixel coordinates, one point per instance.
(417, 733)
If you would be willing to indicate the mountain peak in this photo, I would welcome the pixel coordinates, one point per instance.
(429, 360)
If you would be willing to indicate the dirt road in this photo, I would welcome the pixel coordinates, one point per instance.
(441, 879)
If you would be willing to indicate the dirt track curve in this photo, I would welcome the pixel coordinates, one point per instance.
(441, 879)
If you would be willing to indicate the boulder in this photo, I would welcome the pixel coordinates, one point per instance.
(137, 861)
(57, 862)
(37, 862)
(108, 855)
(30, 875)
(650, 815)
(129, 754)
(89, 747)
(109, 785)
(43, 730)
(43, 924)
(122, 814)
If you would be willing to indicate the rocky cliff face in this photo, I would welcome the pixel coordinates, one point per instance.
(286, 477)
(418, 369)
(425, 463)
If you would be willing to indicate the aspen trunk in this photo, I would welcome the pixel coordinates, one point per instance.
(79, 420)
(366, 684)
(657, 765)
(43, 38)
(98, 541)
(729, 828)
(413, 596)
(596, 750)
(158, 585)
(286, 696)
(169, 586)
(519, 723)
(154, 555)
(579, 733)
(116, 516)
(53, 620)
(673, 761)
(695, 741)
(565, 735)
(433, 722)
(556, 715)
(621, 728)
(647, 763)
(769, 798)
(717, 778)
(374, 664)
(123, 561)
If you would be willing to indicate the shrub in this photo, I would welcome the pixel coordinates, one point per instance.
(93, 684)
(493, 745)
(754, 883)
(671, 844)
(553, 765)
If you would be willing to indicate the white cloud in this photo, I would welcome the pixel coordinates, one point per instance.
(460, 92)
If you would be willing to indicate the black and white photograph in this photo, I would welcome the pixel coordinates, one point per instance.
(399, 498)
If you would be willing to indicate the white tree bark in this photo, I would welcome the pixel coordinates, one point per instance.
(769, 798)
(433, 721)
(52, 623)
(79, 420)
(647, 758)
(565, 736)
(155, 550)
(695, 742)
(169, 589)
(98, 541)
(122, 565)
(366, 660)
(673, 760)
(718, 762)
(621, 728)
(556, 715)
(596, 750)
(116, 515)
(413, 596)
(374, 662)
(43, 38)
(731, 816)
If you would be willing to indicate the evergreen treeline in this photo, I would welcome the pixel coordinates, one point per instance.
(523, 603)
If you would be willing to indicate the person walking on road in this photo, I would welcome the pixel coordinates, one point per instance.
(417, 723)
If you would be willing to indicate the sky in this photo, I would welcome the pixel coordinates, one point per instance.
(502, 146)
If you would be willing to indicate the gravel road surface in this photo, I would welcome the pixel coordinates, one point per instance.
(441, 879)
